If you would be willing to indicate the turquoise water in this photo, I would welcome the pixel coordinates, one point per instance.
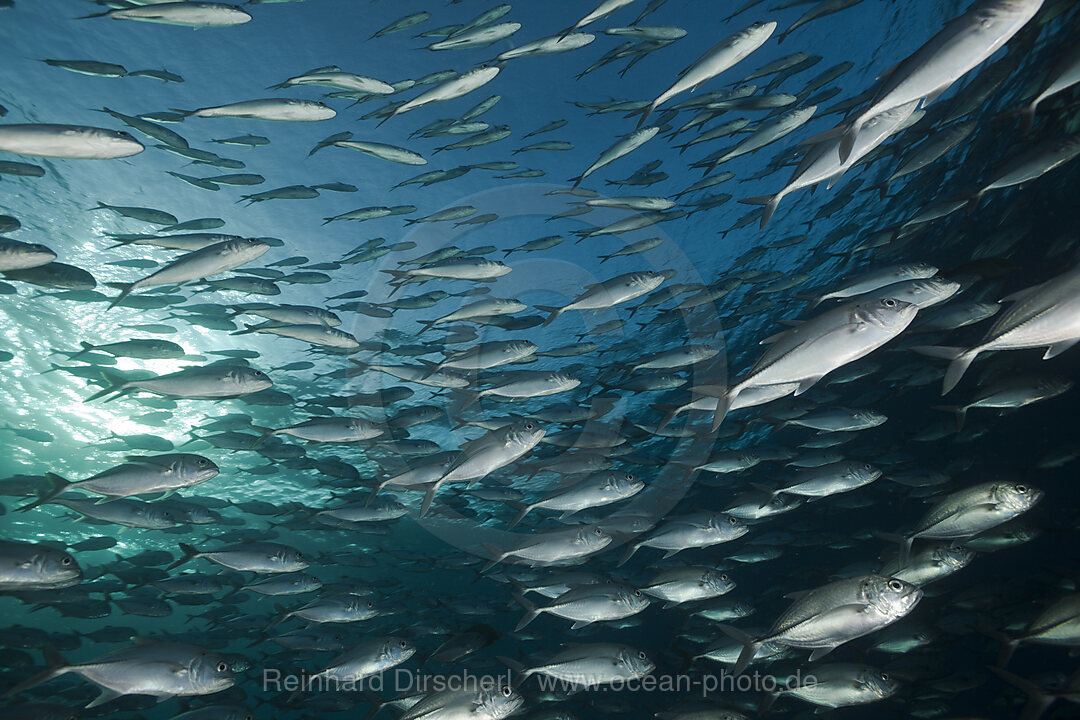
(424, 574)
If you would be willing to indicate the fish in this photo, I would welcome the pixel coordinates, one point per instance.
(187, 14)
(830, 615)
(1039, 316)
(812, 350)
(722, 56)
(77, 142)
(962, 45)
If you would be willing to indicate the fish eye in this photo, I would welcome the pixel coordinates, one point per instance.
(403, 644)
(724, 577)
(866, 466)
(370, 604)
(65, 560)
(507, 691)
(641, 654)
(204, 461)
(884, 676)
(888, 302)
(299, 555)
(896, 585)
(598, 531)
(732, 520)
(629, 476)
(1021, 489)
(637, 593)
(222, 667)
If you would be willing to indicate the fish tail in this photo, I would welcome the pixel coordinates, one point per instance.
(645, 113)
(960, 359)
(468, 398)
(57, 485)
(553, 313)
(86, 347)
(1008, 644)
(1038, 698)
(94, 15)
(531, 611)
(56, 665)
(188, 553)
(629, 554)
(670, 411)
(958, 411)
(118, 386)
(126, 289)
(429, 497)
(523, 510)
(1027, 116)
(771, 202)
(847, 140)
(724, 397)
(750, 647)
(498, 555)
(905, 542)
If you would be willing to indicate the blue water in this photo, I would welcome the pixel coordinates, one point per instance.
(426, 569)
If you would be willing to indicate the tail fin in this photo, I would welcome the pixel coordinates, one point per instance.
(498, 555)
(724, 397)
(1028, 118)
(56, 666)
(959, 411)
(645, 114)
(670, 412)
(847, 140)
(57, 486)
(124, 292)
(1008, 645)
(905, 542)
(523, 510)
(553, 313)
(960, 359)
(1038, 698)
(118, 385)
(95, 15)
(771, 202)
(629, 554)
(429, 497)
(750, 647)
(189, 553)
(531, 611)
(86, 347)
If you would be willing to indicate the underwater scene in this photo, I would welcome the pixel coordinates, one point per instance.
(562, 359)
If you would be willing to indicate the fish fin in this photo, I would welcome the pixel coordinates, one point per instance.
(498, 556)
(429, 497)
(554, 312)
(86, 347)
(847, 140)
(1038, 699)
(56, 665)
(821, 652)
(1058, 348)
(1008, 645)
(518, 668)
(724, 397)
(119, 386)
(670, 553)
(188, 553)
(670, 412)
(772, 492)
(629, 554)
(523, 510)
(126, 289)
(767, 701)
(57, 486)
(806, 384)
(531, 611)
(959, 411)
(1028, 117)
(771, 202)
(905, 542)
(960, 359)
(750, 647)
